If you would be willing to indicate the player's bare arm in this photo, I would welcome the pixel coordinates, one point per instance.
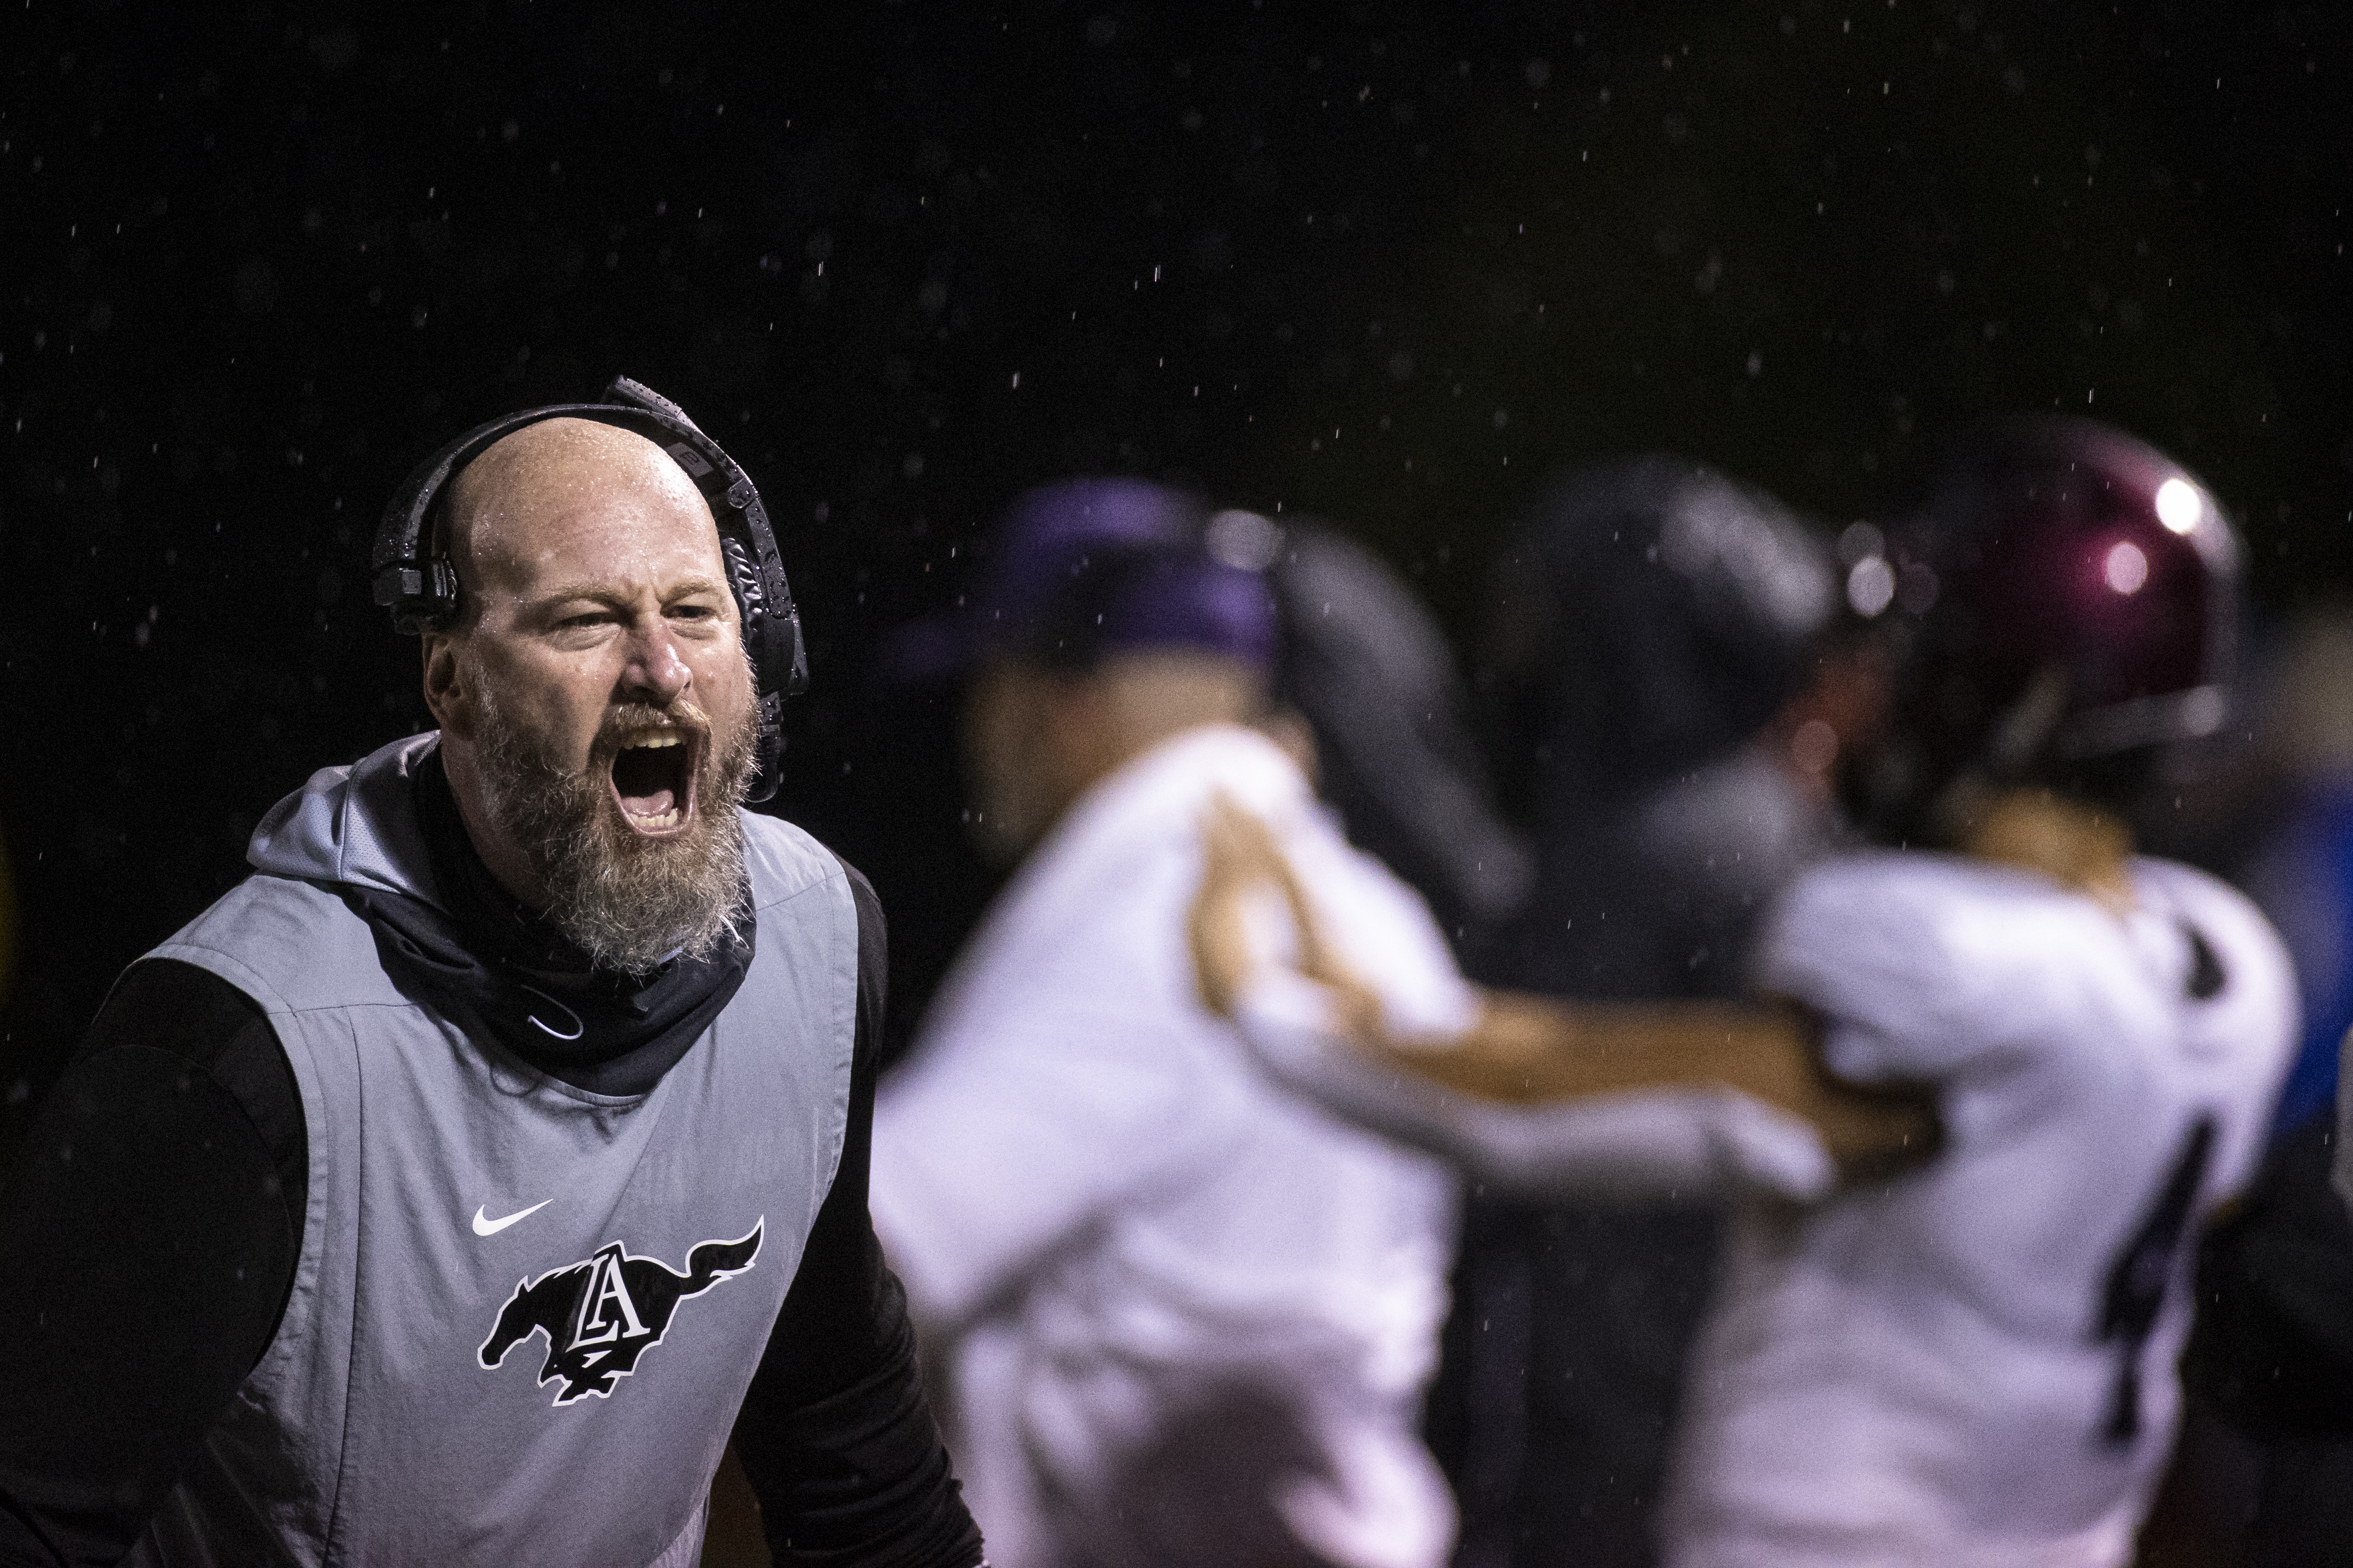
(1526, 1050)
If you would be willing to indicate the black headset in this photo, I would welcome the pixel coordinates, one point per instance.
(416, 582)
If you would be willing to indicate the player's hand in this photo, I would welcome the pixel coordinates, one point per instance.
(1880, 1133)
(1247, 882)
(1874, 1132)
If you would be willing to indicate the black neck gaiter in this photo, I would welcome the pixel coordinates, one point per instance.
(493, 965)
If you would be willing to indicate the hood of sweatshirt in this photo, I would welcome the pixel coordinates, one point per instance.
(386, 833)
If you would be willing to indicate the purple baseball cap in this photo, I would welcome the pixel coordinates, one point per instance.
(1083, 568)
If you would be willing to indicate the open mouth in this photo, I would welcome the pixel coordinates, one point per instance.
(653, 780)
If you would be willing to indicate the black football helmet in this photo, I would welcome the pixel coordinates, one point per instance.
(2063, 602)
(1647, 615)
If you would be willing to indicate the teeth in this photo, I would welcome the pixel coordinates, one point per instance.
(659, 739)
(656, 821)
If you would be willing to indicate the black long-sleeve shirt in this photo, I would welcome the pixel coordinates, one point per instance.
(149, 1238)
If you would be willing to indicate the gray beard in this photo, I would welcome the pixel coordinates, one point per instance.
(630, 903)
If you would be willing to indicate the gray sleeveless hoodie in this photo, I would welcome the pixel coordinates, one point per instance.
(524, 1315)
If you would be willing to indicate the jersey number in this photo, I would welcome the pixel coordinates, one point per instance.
(2134, 1293)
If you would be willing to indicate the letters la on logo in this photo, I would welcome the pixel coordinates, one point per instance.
(601, 1315)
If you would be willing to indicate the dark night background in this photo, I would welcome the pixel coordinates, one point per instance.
(1386, 263)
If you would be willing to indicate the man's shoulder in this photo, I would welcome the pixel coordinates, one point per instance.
(288, 944)
(1913, 897)
(786, 860)
(1912, 941)
(2222, 915)
(2238, 972)
(1956, 953)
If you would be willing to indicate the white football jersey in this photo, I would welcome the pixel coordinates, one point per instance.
(1974, 1364)
(1111, 1222)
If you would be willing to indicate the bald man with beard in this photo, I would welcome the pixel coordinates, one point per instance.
(443, 1193)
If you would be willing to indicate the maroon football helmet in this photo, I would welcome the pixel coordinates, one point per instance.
(2063, 600)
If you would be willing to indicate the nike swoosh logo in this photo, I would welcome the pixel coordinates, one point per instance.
(492, 1227)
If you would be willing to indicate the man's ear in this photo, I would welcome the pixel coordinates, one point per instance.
(1077, 736)
(446, 689)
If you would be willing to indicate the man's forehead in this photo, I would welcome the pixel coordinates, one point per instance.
(566, 481)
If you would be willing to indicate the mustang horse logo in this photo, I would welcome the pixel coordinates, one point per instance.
(601, 1315)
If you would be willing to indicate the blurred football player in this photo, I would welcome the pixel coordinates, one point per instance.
(1189, 1315)
(1656, 650)
(1982, 1354)
(1972, 1362)
(1188, 1318)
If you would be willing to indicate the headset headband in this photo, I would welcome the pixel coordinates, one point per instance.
(419, 585)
